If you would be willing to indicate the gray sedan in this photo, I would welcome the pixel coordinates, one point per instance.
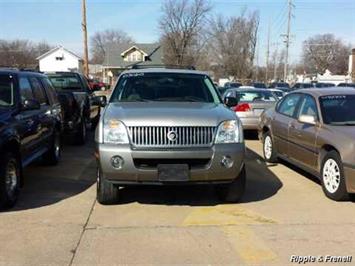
(249, 104)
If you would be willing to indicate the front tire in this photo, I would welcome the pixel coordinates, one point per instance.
(270, 154)
(107, 193)
(10, 170)
(234, 191)
(332, 177)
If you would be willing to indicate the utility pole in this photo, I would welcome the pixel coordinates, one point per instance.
(275, 61)
(85, 34)
(287, 37)
(267, 54)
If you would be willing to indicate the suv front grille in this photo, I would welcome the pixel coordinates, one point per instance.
(171, 136)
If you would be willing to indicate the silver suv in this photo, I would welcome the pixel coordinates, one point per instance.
(168, 126)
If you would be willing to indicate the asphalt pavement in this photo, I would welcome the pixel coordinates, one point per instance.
(57, 220)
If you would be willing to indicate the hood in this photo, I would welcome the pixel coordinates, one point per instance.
(168, 113)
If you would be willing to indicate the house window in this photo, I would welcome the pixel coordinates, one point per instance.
(59, 58)
(139, 57)
(134, 57)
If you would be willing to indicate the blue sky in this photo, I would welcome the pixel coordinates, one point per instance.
(58, 21)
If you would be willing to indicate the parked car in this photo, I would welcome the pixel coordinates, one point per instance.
(279, 85)
(277, 93)
(96, 85)
(315, 130)
(249, 104)
(229, 85)
(343, 84)
(30, 127)
(258, 85)
(168, 127)
(80, 106)
(300, 85)
(323, 84)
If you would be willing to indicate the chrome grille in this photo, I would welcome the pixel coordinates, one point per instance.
(158, 136)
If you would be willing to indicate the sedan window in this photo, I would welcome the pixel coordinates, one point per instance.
(308, 106)
(289, 104)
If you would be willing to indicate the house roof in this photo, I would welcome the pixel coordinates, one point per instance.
(113, 56)
(56, 49)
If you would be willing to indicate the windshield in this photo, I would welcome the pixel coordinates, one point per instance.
(255, 95)
(6, 91)
(169, 87)
(65, 82)
(338, 109)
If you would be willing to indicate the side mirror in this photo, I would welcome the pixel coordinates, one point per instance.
(100, 101)
(307, 119)
(31, 104)
(230, 101)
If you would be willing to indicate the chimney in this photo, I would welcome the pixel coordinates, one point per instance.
(353, 64)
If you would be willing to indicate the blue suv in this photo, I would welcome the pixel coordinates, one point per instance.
(30, 127)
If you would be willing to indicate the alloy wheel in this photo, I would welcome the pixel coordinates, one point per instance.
(331, 175)
(267, 147)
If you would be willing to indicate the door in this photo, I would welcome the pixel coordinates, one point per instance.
(285, 115)
(45, 114)
(302, 136)
(28, 121)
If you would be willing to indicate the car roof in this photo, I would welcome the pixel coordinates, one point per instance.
(164, 70)
(327, 91)
(13, 71)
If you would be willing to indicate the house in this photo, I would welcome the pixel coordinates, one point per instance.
(123, 57)
(60, 59)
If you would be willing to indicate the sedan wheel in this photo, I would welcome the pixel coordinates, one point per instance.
(331, 175)
(270, 154)
(267, 147)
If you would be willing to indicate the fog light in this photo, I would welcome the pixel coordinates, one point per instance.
(227, 162)
(117, 162)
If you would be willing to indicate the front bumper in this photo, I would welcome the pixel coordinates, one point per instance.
(130, 173)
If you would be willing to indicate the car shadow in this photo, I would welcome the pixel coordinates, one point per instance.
(47, 185)
(251, 134)
(261, 185)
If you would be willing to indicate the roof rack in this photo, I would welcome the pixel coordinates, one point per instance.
(138, 66)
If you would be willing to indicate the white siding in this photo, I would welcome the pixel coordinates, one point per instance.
(68, 63)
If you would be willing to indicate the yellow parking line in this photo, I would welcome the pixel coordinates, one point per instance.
(224, 215)
(250, 248)
(234, 221)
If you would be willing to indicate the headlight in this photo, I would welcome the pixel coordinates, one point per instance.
(230, 132)
(115, 132)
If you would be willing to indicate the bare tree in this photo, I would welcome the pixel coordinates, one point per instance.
(182, 34)
(101, 40)
(21, 53)
(234, 42)
(325, 51)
